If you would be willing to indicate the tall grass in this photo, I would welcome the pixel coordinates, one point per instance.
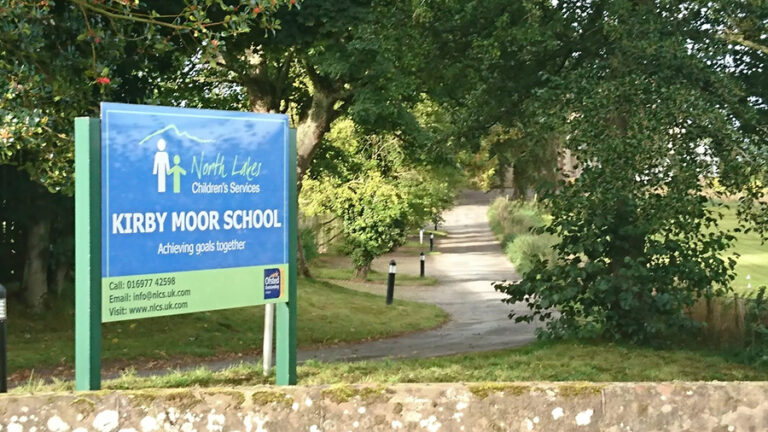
(526, 249)
(509, 218)
(513, 222)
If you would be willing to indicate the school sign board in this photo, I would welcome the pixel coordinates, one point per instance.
(194, 207)
(187, 210)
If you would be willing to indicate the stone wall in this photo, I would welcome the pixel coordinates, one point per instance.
(613, 407)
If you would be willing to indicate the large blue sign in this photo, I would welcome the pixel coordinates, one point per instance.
(196, 197)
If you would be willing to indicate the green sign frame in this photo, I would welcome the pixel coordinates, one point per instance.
(88, 274)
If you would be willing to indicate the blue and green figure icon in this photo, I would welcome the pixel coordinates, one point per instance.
(177, 171)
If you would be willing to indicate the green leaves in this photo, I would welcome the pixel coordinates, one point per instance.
(368, 183)
(652, 122)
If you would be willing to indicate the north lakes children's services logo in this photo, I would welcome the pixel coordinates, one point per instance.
(162, 168)
(273, 283)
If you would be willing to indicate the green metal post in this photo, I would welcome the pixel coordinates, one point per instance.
(87, 254)
(285, 346)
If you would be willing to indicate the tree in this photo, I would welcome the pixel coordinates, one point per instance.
(371, 185)
(330, 59)
(482, 82)
(57, 61)
(47, 77)
(656, 114)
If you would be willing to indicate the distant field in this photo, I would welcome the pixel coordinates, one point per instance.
(753, 261)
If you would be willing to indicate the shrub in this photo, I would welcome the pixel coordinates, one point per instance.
(308, 243)
(509, 219)
(756, 329)
(526, 249)
(515, 223)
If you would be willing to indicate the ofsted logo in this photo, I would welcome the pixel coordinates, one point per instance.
(272, 283)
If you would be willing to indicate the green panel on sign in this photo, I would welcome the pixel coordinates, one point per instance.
(87, 255)
(160, 294)
(286, 312)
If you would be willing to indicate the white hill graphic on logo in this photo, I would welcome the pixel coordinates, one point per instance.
(178, 132)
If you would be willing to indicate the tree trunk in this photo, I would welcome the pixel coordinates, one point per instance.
(301, 262)
(61, 278)
(361, 273)
(35, 280)
(265, 96)
(312, 129)
(309, 135)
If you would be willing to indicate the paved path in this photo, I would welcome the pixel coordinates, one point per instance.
(471, 260)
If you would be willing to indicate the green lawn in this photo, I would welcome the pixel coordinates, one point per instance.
(540, 361)
(373, 276)
(337, 267)
(544, 361)
(753, 261)
(413, 247)
(328, 314)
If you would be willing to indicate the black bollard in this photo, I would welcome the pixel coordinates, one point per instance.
(431, 242)
(3, 339)
(421, 272)
(391, 282)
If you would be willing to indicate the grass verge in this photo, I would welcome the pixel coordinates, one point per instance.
(544, 361)
(373, 276)
(329, 314)
(540, 361)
